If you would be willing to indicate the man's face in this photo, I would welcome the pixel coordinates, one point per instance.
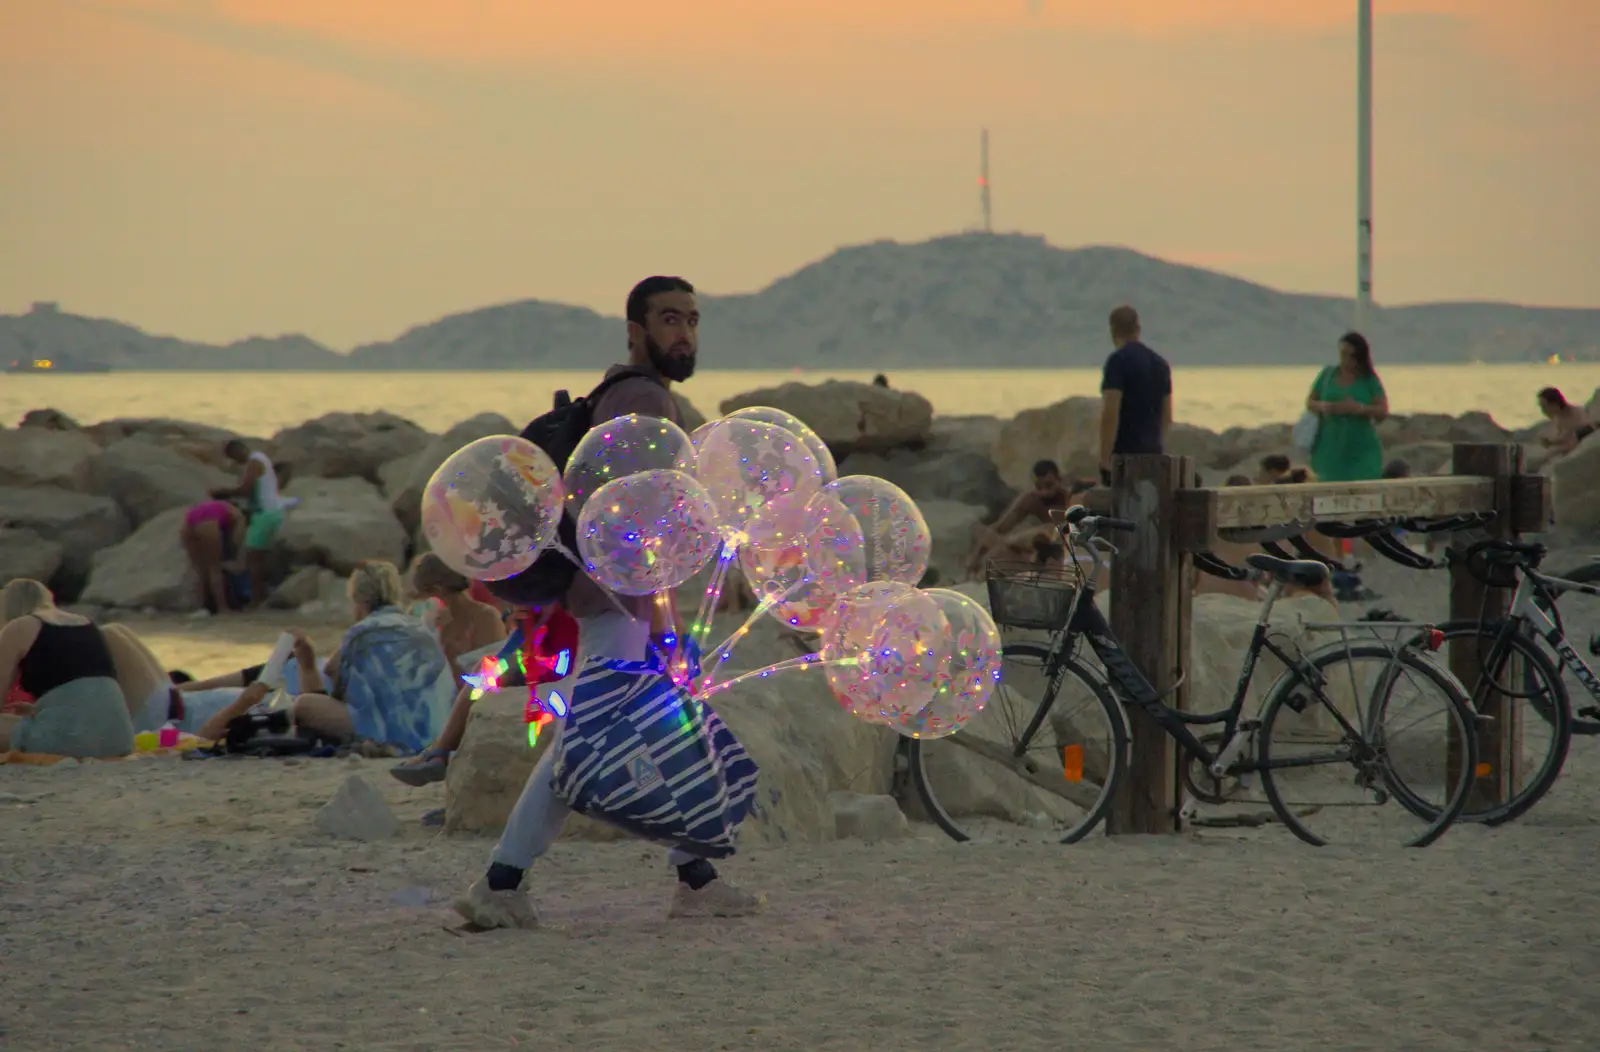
(1048, 485)
(671, 334)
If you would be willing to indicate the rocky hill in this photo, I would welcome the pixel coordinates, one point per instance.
(961, 301)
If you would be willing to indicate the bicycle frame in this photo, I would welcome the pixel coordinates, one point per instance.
(1535, 592)
(1084, 621)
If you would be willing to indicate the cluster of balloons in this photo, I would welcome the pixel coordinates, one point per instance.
(654, 506)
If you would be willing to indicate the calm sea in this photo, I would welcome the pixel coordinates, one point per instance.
(261, 403)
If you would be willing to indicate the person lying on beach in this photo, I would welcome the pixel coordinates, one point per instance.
(1027, 522)
(467, 629)
(61, 661)
(211, 531)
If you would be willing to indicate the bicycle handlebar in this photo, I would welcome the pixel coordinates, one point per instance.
(1078, 516)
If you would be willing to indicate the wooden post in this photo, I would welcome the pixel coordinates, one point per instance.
(1500, 733)
(1150, 617)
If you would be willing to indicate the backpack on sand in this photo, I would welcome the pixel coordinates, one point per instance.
(558, 433)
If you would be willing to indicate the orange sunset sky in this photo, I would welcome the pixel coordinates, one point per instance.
(346, 168)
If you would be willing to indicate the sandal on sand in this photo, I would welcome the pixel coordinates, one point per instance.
(426, 767)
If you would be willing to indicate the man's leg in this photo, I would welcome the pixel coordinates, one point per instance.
(496, 900)
(258, 538)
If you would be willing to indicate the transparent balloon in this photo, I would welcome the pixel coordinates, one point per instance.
(797, 427)
(698, 435)
(934, 661)
(847, 640)
(896, 535)
(624, 445)
(647, 532)
(747, 464)
(492, 507)
(807, 555)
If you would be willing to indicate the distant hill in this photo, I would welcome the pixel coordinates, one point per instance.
(968, 300)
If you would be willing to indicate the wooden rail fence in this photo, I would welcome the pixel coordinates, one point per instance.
(1151, 590)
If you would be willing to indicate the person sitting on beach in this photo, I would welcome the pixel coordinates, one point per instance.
(1569, 423)
(559, 632)
(61, 661)
(212, 531)
(467, 629)
(389, 680)
(261, 483)
(1273, 470)
(1026, 522)
(1397, 469)
(880, 381)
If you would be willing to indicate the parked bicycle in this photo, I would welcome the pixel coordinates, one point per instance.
(1033, 755)
(1520, 677)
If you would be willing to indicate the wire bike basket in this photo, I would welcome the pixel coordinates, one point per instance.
(1032, 597)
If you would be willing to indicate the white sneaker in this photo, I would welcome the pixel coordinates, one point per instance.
(716, 899)
(497, 909)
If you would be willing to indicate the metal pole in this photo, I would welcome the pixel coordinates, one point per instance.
(983, 180)
(1363, 162)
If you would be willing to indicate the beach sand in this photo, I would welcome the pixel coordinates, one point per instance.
(166, 904)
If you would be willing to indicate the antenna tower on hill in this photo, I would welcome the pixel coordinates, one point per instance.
(983, 181)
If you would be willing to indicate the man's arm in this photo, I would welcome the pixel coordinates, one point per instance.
(1110, 413)
(247, 483)
(1166, 420)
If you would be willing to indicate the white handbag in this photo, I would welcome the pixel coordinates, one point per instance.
(1304, 434)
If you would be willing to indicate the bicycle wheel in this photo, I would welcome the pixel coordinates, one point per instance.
(1313, 766)
(973, 783)
(1538, 707)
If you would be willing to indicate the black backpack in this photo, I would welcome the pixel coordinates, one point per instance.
(558, 433)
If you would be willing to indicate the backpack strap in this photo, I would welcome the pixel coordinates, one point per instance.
(616, 378)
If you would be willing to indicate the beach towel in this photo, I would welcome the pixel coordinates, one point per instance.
(641, 754)
(85, 718)
(396, 680)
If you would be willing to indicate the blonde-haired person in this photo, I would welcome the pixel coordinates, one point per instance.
(63, 662)
(388, 682)
(468, 630)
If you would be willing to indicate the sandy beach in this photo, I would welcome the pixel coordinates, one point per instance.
(164, 904)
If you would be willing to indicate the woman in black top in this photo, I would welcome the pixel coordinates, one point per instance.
(62, 660)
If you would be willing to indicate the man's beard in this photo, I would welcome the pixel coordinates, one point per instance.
(671, 367)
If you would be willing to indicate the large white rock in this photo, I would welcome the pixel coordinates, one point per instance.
(847, 415)
(149, 569)
(82, 524)
(36, 456)
(200, 442)
(146, 478)
(1575, 488)
(357, 812)
(339, 523)
(24, 553)
(405, 477)
(346, 445)
(951, 525)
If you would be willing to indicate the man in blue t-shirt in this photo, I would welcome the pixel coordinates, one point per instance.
(1135, 395)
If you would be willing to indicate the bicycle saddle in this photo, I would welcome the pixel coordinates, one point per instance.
(1301, 572)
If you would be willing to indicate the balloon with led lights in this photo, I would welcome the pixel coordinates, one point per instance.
(647, 532)
(624, 445)
(797, 427)
(492, 507)
(898, 543)
(698, 435)
(847, 639)
(934, 661)
(807, 556)
(747, 464)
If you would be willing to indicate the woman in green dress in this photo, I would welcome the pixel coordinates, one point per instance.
(1350, 401)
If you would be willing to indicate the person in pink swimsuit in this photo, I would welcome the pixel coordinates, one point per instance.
(210, 530)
